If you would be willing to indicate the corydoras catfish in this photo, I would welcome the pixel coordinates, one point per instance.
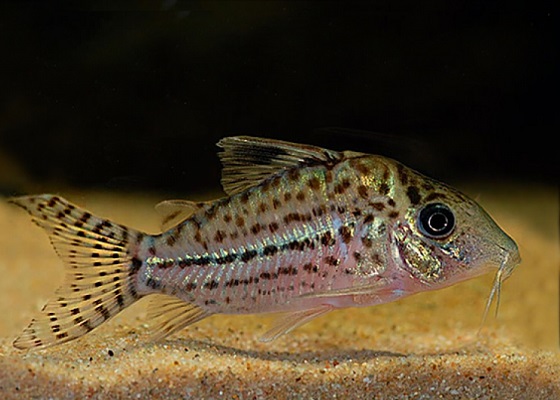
(303, 230)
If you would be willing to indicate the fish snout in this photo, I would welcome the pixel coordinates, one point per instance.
(510, 258)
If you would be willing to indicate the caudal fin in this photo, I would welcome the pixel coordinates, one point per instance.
(100, 271)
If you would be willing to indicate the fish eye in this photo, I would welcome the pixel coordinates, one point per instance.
(436, 220)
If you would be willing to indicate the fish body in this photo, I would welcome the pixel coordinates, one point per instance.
(303, 230)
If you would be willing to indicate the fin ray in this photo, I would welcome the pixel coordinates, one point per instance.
(247, 161)
(293, 320)
(100, 275)
(171, 314)
(368, 289)
(174, 212)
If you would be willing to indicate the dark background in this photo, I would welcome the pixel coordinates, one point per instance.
(134, 95)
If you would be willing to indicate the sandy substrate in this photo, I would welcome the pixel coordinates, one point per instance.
(418, 348)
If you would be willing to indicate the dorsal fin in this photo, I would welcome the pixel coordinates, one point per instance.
(174, 212)
(247, 161)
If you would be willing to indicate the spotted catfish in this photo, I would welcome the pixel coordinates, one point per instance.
(303, 230)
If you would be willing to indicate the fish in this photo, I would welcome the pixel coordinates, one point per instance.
(302, 231)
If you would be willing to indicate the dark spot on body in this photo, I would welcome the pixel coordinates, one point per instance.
(287, 270)
(276, 203)
(378, 206)
(229, 258)
(183, 263)
(327, 239)
(255, 229)
(393, 214)
(403, 176)
(293, 217)
(227, 217)
(270, 250)
(295, 245)
(232, 283)
(434, 196)
(314, 183)
(346, 234)
(210, 212)
(248, 255)
(342, 186)
(152, 283)
(211, 285)
(293, 174)
(363, 168)
(240, 221)
(219, 236)
(384, 189)
(309, 267)
(363, 191)
(204, 260)
(331, 260)
(273, 227)
(300, 196)
(265, 275)
(244, 198)
(287, 196)
(265, 186)
(427, 186)
(413, 195)
(319, 211)
(376, 259)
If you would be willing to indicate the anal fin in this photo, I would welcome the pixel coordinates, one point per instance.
(171, 314)
(293, 320)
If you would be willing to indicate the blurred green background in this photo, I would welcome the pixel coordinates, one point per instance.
(134, 95)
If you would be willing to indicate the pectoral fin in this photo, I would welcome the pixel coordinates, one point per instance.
(293, 320)
(369, 289)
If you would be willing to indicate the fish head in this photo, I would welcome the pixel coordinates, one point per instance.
(443, 237)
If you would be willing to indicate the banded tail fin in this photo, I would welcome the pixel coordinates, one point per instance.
(100, 271)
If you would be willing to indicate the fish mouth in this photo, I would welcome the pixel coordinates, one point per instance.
(508, 258)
